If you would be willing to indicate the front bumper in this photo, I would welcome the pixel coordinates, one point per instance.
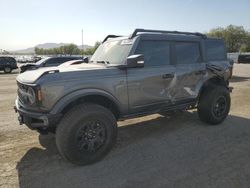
(35, 120)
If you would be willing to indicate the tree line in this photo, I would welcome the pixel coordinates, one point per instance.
(236, 38)
(70, 49)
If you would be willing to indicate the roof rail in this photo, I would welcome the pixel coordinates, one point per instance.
(110, 36)
(165, 32)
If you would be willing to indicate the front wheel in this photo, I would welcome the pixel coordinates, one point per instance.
(86, 134)
(214, 104)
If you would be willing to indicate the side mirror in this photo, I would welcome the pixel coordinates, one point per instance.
(135, 61)
(86, 60)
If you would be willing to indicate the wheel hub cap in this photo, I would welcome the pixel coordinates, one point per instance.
(219, 106)
(91, 136)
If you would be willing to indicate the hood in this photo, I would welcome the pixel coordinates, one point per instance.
(32, 76)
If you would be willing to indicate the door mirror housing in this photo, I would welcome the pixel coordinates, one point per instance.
(135, 61)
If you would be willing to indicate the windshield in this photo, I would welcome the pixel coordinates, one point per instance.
(41, 61)
(112, 52)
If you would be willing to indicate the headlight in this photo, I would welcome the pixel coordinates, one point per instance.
(31, 95)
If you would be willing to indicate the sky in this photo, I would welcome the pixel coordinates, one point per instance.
(26, 23)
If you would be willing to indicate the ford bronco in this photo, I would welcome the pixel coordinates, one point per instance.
(148, 72)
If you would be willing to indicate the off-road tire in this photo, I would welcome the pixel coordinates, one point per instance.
(7, 70)
(74, 122)
(207, 105)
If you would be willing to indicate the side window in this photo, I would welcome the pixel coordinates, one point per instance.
(10, 60)
(155, 53)
(187, 52)
(67, 59)
(51, 62)
(215, 50)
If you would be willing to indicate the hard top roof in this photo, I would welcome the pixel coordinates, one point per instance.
(161, 34)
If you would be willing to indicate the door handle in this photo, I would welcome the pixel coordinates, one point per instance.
(167, 76)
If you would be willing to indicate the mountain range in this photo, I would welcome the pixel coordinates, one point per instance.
(45, 46)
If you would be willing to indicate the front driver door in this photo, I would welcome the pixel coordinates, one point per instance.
(148, 87)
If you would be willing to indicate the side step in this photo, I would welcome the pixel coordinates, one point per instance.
(185, 106)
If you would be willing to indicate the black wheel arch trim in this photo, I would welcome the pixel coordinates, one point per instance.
(73, 96)
(211, 80)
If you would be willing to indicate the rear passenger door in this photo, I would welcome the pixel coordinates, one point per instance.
(190, 70)
(148, 86)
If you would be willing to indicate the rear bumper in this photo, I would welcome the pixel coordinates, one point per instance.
(36, 120)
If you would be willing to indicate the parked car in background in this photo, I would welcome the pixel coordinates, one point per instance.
(47, 62)
(244, 58)
(7, 64)
(36, 59)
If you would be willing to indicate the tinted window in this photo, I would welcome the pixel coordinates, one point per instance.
(52, 62)
(7, 60)
(155, 52)
(215, 50)
(57, 61)
(187, 52)
(63, 60)
(1, 60)
(244, 59)
(10, 59)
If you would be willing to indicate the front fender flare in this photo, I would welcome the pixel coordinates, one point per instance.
(67, 99)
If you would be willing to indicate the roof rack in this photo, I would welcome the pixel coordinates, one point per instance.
(110, 36)
(165, 32)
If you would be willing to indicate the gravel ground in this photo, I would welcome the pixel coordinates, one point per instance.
(152, 151)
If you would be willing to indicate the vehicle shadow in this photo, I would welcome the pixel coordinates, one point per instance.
(160, 152)
(14, 72)
(239, 79)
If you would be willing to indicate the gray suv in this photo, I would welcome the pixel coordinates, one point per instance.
(148, 72)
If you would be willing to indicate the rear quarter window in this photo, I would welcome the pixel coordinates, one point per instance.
(215, 50)
(187, 52)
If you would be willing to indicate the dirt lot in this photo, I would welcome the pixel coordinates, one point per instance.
(153, 151)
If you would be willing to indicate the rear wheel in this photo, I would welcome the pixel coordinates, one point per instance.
(7, 70)
(214, 104)
(86, 134)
